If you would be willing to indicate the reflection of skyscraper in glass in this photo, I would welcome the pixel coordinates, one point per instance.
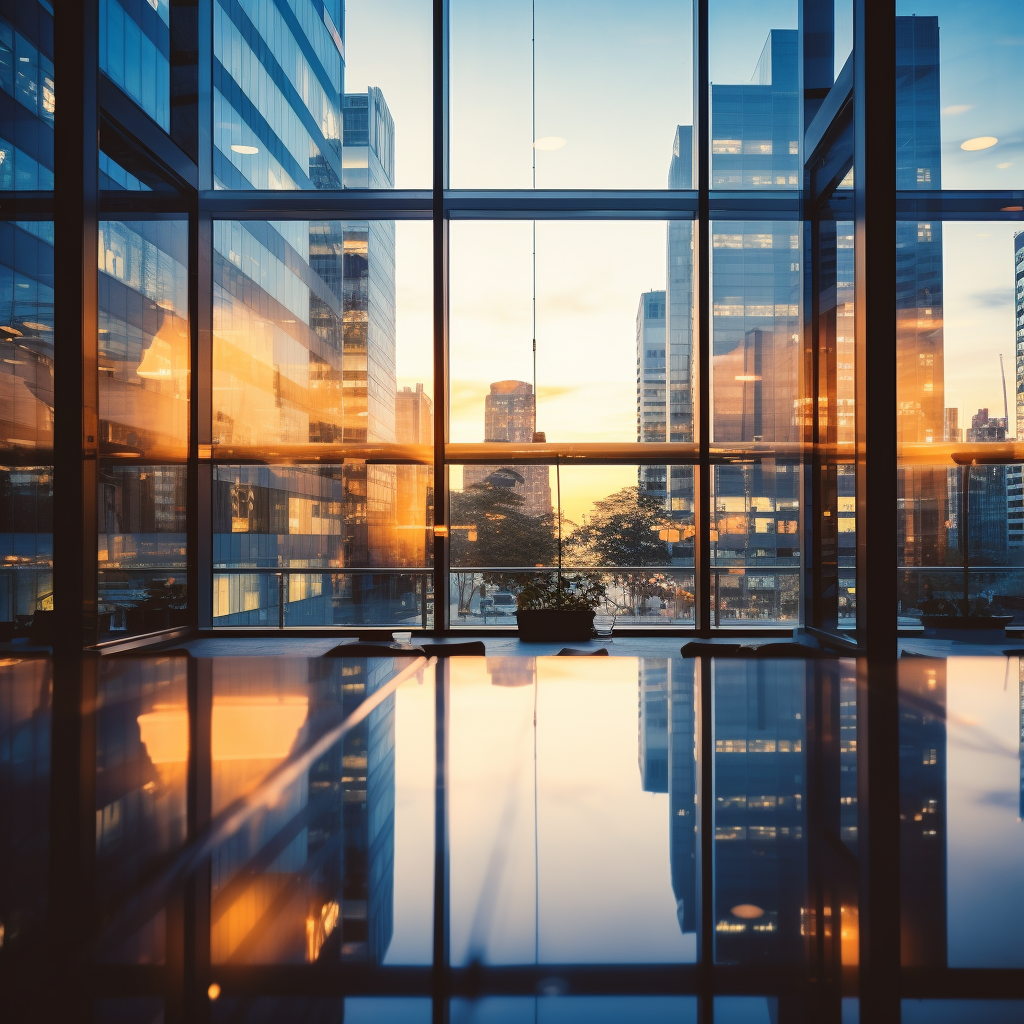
(666, 756)
(651, 404)
(923, 812)
(760, 821)
(304, 320)
(414, 492)
(510, 415)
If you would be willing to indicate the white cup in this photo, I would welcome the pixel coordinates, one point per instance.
(402, 637)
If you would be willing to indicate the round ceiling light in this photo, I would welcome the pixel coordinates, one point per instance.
(549, 142)
(245, 150)
(981, 142)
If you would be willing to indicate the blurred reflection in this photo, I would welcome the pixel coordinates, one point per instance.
(25, 695)
(760, 812)
(141, 771)
(310, 878)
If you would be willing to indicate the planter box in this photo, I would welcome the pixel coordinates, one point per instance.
(554, 624)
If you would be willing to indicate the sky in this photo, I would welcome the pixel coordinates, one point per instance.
(610, 92)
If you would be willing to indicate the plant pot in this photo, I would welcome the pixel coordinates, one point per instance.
(555, 624)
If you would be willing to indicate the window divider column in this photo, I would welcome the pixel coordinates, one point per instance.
(702, 324)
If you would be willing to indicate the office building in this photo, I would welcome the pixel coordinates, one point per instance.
(651, 397)
(510, 416)
(414, 490)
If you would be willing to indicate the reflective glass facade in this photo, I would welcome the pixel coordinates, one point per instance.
(319, 410)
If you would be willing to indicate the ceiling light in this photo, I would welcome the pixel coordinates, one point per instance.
(549, 142)
(1011, 209)
(245, 150)
(981, 142)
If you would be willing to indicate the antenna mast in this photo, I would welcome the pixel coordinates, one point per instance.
(1006, 408)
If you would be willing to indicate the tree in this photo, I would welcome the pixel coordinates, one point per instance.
(490, 528)
(623, 531)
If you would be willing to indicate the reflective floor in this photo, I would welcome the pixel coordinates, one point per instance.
(499, 839)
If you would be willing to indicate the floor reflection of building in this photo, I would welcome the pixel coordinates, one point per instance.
(310, 876)
(666, 755)
(923, 811)
(25, 732)
(760, 819)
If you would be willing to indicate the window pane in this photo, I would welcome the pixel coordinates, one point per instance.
(26, 437)
(610, 330)
(317, 329)
(756, 330)
(144, 403)
(135, 51)
(27, 109)
(320, 95)
(755, 543)
(592, 130)
(330, 520)
(957, 70)
(618, 530)
(960, 362)
(755, 130)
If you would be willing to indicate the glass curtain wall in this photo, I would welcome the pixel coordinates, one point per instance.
(648, 331)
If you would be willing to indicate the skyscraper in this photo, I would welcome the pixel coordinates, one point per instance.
(651, 398)
(679, 336)
(414, 492)
(755, 334)
(922, 492)
(510, 415)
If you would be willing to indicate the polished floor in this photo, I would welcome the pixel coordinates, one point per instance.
(279, 836)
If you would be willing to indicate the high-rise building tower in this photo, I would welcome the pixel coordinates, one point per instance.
(651, 399)
(414, 492)
(679, 336)
(920, 399)
(510, 415)
(1018, 280)
(755, 143)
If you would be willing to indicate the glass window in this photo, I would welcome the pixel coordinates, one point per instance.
(957, 69)
(756, 327)
(135, 50)
(26, 375)
(614, 331)
(318, 328)
(27, 102)
(144, 422)
(755, 543)
(569, 123)
(959, 360)
(616, 527)
(754, 58)
(306, 96)
(322, 336)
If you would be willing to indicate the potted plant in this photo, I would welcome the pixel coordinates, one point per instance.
(558, 608)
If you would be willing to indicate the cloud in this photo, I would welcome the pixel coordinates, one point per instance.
(1000, 798)
(993, 298)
